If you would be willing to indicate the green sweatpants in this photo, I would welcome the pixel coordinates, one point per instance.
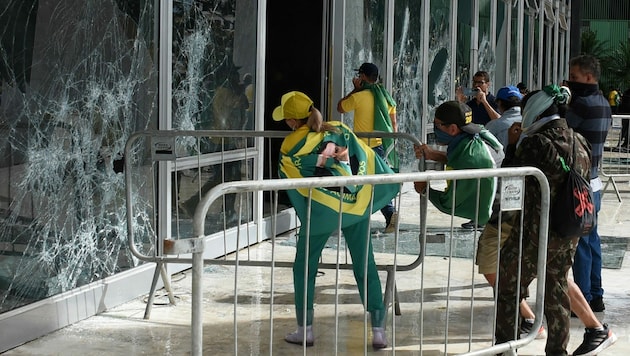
(359, 243)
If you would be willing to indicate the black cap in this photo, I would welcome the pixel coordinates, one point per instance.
(369, 69)
(460, 114)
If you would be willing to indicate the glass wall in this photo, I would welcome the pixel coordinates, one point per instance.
(363, 42)
(420, 61)
(487, 39)
(76, 79)
(438, 45)
(514, 76)
(214, 67)
(466, 50)
(443, 58)
(408, 85)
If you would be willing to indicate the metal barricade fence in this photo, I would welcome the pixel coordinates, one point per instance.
(422, 307)
(615, 166)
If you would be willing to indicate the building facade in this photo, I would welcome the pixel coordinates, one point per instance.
(78, 78)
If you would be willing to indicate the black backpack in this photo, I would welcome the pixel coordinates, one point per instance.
(573, 211)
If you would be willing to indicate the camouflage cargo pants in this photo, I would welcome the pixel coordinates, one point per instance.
(557, 303)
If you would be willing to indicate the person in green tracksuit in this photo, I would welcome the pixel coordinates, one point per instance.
(470, 146)
(318, 148)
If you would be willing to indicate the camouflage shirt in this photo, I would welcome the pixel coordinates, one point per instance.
(540, 150)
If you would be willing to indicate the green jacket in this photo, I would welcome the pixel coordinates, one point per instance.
(468, 151)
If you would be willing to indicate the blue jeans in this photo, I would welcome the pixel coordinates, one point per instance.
(587, 264)
(388, 210)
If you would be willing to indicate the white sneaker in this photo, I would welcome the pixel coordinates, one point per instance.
(379, 339)
(297, 336)
(392, 223)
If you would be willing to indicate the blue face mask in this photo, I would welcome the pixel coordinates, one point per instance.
(442, 137)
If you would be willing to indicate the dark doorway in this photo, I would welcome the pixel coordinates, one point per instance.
(293, 60)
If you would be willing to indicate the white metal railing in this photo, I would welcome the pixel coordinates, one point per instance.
(189, 249)
(615, 165)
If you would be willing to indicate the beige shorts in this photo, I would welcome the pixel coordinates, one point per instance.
(488, 247)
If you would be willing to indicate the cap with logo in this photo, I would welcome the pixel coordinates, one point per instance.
(293, 105)
(460, 114)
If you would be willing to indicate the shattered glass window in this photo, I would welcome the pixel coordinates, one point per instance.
(487, 57)
(365, 42)
(464, 45)
(514, 36)
(214, 71)
(408, 86)
(76, 79)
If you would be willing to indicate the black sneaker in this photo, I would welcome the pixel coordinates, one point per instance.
(595, 341)
(526, 327)
(597, 304)
(471, 225)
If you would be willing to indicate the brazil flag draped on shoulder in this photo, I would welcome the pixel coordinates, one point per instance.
(298, 158)
(382, 101)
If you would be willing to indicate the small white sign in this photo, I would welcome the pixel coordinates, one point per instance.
(163, 148)
(512, 190)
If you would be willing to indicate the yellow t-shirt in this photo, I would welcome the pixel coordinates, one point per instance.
(362, 103)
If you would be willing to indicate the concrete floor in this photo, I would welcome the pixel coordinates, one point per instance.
(442, 283)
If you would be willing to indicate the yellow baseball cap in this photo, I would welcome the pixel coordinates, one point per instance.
(293, 105)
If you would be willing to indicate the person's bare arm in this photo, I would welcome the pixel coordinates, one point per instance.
(429, 153)
(339, 108)
(357, 87)
(392, 118)
(481, 97)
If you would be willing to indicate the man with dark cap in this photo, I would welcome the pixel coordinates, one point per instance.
(374, 110)
(469, 146)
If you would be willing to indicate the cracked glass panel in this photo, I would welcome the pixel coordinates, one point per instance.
(514, 36)
(463, 52)
(214, 63)
(408, 86)
(487, 57)
(364, 42)
(76, 79)
(527, 50)
(440, 83)
(536, 60)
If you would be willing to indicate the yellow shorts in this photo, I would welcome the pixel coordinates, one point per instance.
(488, 247)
